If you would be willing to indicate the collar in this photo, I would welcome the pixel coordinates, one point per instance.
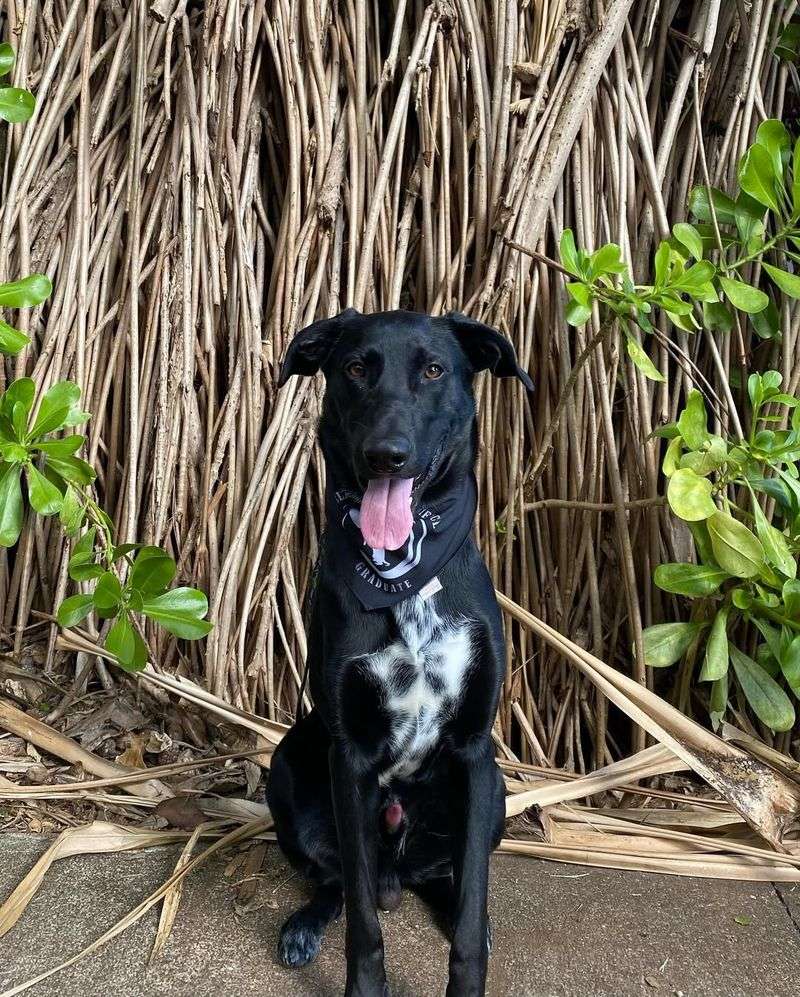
(383, 578)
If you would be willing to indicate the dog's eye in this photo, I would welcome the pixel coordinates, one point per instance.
(356, 369)
(434, 371)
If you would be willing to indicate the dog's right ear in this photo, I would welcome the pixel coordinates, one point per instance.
(312, 346)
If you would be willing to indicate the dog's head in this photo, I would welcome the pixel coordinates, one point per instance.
(399, 404)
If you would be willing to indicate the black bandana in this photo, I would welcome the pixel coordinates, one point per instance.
(381, 578)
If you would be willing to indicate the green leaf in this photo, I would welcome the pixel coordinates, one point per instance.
(108, 594)
(791, 598)
(710, 457)
(577, 314)
(19, 419)
(735, 548)
(770, 634)
(7, 58)
(67, 446)
(689, 496)
(57, 404)
(718, 700)
(772, 135)
(715, 663)
(580, 292)
(769, 702)
(568, 253)
(45, 498)
(766, 661)
(11, 507)
(19, 392)
(71, 514)
(773, 541)
(688, 236)
(672, 457)
(700, 205)
(666, 643)
(755, 391)
(742, 296)
(15, 104)
(140, 654)
(26, 293)
(607, 259)
(11, 339)
(693, 580)
(696, 280)
(72, 469)
(74, 609)
(153, 570)
(796, 178)
(85, 570)
(180, 611)
(14, 453)
(757, 176)
(693, 421)
(661, 264)
(717, 317)
(126, 645)
(789, 42)
(123, 549)
(639, 356)
(789, 661)
(767, 322)
(85, 546)
(702, 541)
(789, 283)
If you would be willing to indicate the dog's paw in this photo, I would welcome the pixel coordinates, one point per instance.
(300, 942)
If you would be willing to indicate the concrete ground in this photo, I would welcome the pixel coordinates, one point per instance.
(558, 930)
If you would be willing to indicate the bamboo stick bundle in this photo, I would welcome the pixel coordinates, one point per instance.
(202, 181)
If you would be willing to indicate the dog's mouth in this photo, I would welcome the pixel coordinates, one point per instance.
(387, 515)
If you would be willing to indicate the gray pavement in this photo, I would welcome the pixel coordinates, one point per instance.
(558, 930)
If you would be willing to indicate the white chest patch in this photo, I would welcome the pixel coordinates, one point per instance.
(422, 677)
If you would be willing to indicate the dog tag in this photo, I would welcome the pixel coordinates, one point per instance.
(430, 588)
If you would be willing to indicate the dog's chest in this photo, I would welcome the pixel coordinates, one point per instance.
(421, 675)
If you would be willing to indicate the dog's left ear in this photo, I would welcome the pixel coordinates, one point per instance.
(312, 346)
(486, 348)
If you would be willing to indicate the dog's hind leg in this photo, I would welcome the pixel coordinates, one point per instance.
(302, 934)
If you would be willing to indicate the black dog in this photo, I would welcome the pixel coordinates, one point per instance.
(391, 780)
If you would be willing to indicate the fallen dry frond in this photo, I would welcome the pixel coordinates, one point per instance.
(766, 798)
(104, 834)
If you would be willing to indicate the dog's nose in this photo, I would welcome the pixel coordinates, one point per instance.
(387, 456)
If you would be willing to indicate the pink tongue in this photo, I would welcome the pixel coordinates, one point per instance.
(386, 513)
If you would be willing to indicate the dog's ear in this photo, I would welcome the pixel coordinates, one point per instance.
(486, 348)
(312, 346)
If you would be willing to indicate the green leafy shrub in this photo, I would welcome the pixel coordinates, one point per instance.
(693, 291)
(128, 581)
(739, 497)
(34, 460)
(747, 562)
(17, 105)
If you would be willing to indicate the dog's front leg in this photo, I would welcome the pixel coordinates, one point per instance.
(473, 788)
(355, 801)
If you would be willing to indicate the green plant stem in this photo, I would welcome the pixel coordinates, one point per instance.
(776, 617)
(96, 516)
